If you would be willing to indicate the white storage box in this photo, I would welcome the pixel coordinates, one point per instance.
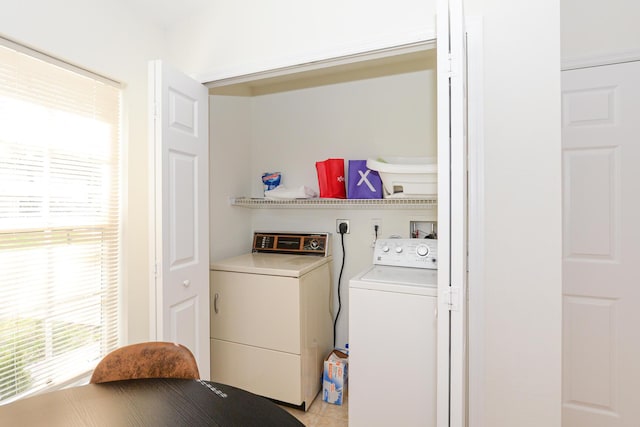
(334, 378)
(407, 176)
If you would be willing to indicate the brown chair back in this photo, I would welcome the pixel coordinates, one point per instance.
(147, 360)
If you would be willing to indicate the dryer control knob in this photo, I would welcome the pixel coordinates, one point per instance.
(385, 249)
(398, 249)
(422, 250)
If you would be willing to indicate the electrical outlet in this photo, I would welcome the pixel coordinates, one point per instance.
(340, 221)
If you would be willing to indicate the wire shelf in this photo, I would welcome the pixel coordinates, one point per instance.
(399, 203)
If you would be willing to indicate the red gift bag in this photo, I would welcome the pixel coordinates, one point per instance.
(331, 179)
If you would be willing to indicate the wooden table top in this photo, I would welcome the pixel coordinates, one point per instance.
(147, 402)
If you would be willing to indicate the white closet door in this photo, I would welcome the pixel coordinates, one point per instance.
(452, 215)
(180, 134)
(601, 246)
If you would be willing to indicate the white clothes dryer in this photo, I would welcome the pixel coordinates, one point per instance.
(271, 324)
(392, 336)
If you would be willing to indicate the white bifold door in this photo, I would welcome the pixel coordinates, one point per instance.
(601, 246)
(452, 216)
(180, 137)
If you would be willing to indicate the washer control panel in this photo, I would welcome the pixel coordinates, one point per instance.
(416, 253)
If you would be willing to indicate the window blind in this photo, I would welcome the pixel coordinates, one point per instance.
(59, 221)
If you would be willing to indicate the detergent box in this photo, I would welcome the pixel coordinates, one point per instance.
(334, 378)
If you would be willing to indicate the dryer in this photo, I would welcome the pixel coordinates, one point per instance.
(271, 324)
(392, 336)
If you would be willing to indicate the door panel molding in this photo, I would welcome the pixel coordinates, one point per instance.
(587, 61)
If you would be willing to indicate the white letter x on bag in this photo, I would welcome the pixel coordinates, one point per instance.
(363, 179)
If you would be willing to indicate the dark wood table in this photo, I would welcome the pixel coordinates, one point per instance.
(147, 402)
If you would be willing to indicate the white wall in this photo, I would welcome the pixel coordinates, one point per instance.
(233, 37)
(595, 28)
(99, 36)
(229, 175)
(385, 116)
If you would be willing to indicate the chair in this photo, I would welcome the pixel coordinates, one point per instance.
(147, 360)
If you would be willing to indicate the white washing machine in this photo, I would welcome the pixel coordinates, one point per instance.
(271, 324)
(392, 336)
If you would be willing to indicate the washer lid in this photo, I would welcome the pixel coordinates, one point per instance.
(398, 279)
(402, 275)
(271, 264)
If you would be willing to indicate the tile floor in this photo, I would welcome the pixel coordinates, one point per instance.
(323, 414)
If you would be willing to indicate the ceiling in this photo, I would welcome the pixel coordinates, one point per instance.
(165, 13)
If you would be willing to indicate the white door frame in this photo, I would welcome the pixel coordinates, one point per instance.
(452, 216)
(476, 220)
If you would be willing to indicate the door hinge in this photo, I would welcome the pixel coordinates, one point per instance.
(449, 65)
(452, 298)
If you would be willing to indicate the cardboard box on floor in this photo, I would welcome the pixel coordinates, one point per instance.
(334, 377)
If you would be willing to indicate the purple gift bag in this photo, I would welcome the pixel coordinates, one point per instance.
(364, 183)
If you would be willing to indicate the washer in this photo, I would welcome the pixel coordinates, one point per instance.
(271, 324)
(392, 336)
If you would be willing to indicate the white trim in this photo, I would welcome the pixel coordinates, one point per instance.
(443, 376)
(573, 63)
(152, 129)
(251, 71)
(476, 220)
(458, 215)
(299, 69)
(20, 47)
(125, 223)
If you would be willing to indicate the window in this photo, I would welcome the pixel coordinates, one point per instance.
(59, 220)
